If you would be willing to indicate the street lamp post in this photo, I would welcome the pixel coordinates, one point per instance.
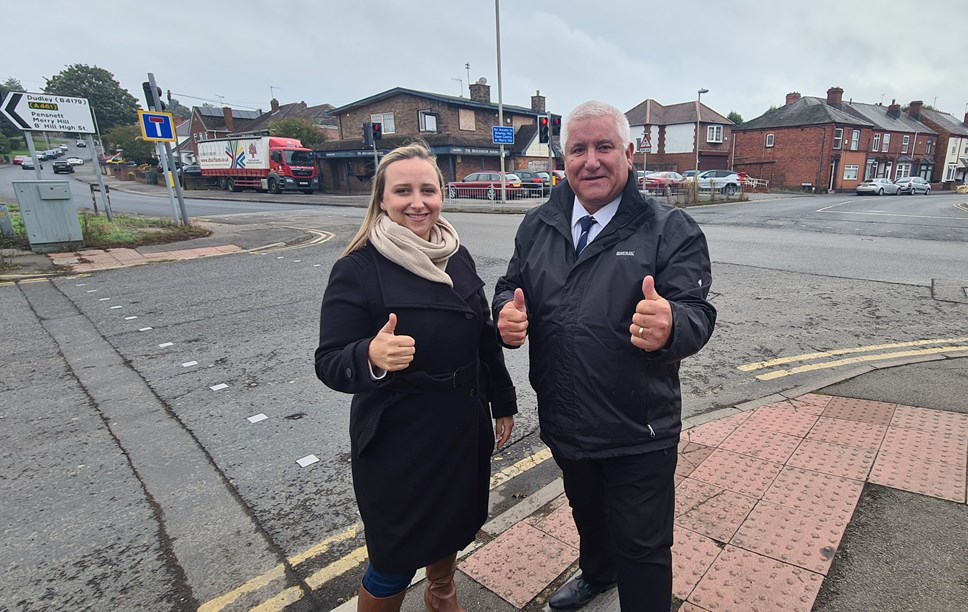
(695, 177)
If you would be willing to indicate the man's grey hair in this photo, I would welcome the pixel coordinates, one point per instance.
(592, 110)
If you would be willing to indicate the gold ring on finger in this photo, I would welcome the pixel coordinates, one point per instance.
(641, 331)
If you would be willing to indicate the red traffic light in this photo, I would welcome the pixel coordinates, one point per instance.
(543, 121)
(377, 131)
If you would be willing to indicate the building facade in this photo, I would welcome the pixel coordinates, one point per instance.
(675, 133)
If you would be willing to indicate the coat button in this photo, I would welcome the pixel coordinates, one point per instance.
(468, 315)
(349, 373)
(472, 392)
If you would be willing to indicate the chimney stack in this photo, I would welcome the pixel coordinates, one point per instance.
(229, 121)
(894, 110)
(274, 105)
(835, 96)
(792, 97)
(914, 110)
(480, 91)
(538, 102)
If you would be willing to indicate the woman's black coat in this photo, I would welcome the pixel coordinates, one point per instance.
(421, 438)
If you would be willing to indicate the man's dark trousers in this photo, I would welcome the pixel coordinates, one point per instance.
(624, 508)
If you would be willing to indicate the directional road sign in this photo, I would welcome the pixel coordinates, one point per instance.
(38, 112)
(157, 127)
(502, 135)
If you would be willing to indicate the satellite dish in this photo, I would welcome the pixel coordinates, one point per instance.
(482, 81)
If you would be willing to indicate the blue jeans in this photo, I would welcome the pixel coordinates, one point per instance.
(385, 585)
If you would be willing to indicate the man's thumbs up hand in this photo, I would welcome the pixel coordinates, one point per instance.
(389, 351)
(652, 320)
(512, 321)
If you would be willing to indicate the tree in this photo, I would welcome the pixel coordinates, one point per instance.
(735, 117)
(112, 105)
(134, 148)
(7, 129)
(179, 110)
(305, 130)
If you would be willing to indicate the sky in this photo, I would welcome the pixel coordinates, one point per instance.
(749, 54)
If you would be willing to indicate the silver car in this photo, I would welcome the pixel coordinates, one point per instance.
(912, 185)
(878, 186)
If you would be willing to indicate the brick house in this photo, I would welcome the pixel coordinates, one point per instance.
(457, 129)
(826, 144)
(672, 132)
(208, 122)
(952, 149)
(318, 115)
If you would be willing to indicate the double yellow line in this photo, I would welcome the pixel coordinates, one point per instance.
(948, 345)
(342, 565)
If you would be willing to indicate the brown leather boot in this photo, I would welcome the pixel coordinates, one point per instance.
(368, 603)
(441, 592)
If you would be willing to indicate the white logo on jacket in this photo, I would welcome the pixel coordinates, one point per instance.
(625, 253)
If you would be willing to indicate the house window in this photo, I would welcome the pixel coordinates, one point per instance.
(465, 119)
(929, 147)
(949, 175)
(903, 170)
(714, 133)
(954, 147)
(870, 170)
(877, 142)
(838, 137)
(850, 172)
(905, 143)
(769, 140)
(887, 143)
(854, 139)
(386, 119)
(428, 121)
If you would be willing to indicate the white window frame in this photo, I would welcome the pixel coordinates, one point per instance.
(903, 170)
(877, 142)
(838, 137)
(854, 140)
(870, 169)
(905, 143)
(886, 143)
(929, 147)
(949, 174)
(850, 172)
(714, 133)
(422, 117)
(769, 141)
(384, 119)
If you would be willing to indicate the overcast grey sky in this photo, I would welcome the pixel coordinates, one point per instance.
(749, 54)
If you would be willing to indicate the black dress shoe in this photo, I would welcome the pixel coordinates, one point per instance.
(575, 594)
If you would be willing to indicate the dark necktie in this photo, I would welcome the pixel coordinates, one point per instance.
(586, 224)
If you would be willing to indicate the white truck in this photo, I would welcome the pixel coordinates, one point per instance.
(264, 163)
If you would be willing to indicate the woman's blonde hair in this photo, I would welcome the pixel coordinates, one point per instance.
(414, 150)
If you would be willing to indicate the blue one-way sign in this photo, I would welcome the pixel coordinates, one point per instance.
(157, 127)
(502, 135)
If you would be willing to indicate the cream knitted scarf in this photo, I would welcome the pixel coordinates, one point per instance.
(426, 259)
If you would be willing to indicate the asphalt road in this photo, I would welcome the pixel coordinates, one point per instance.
(125, 474)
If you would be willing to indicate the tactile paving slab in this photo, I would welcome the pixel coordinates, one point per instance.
(844, 461)
(783, 418)
(933, 478)
(714, 432)
(811, 402)
(752, 439)
(816, 493)
(718, 516)
(736, 472)
(560, 525)
(936, 421)
(691, 455)
(927, 445)
(848, 433)
(866, 411)
(692, 554)
(740, 580)
(519, 564)
(798, 538)
(691, 492)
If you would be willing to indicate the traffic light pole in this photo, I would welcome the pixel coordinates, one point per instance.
(166, 159)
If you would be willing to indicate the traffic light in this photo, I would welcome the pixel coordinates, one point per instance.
(367, 134)
(543, 128)
(150, 98)
(556, 126)
(377, 131)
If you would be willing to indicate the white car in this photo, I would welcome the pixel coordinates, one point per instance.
(725, 181)
(75, 161)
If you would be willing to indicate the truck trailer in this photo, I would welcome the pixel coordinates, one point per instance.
(264, 163)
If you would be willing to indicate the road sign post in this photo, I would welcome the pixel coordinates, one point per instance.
(167, 159)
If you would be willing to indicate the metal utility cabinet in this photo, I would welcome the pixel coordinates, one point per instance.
(49, 216)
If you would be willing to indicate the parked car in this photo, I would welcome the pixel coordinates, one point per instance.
(62, 167)
(665, 183)
(878, 186)
(75, 161)
(688, 174)
(19, 159)
(532, 182)
(725, 181)
(485, 185)
(28, 164)
(913, 184)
